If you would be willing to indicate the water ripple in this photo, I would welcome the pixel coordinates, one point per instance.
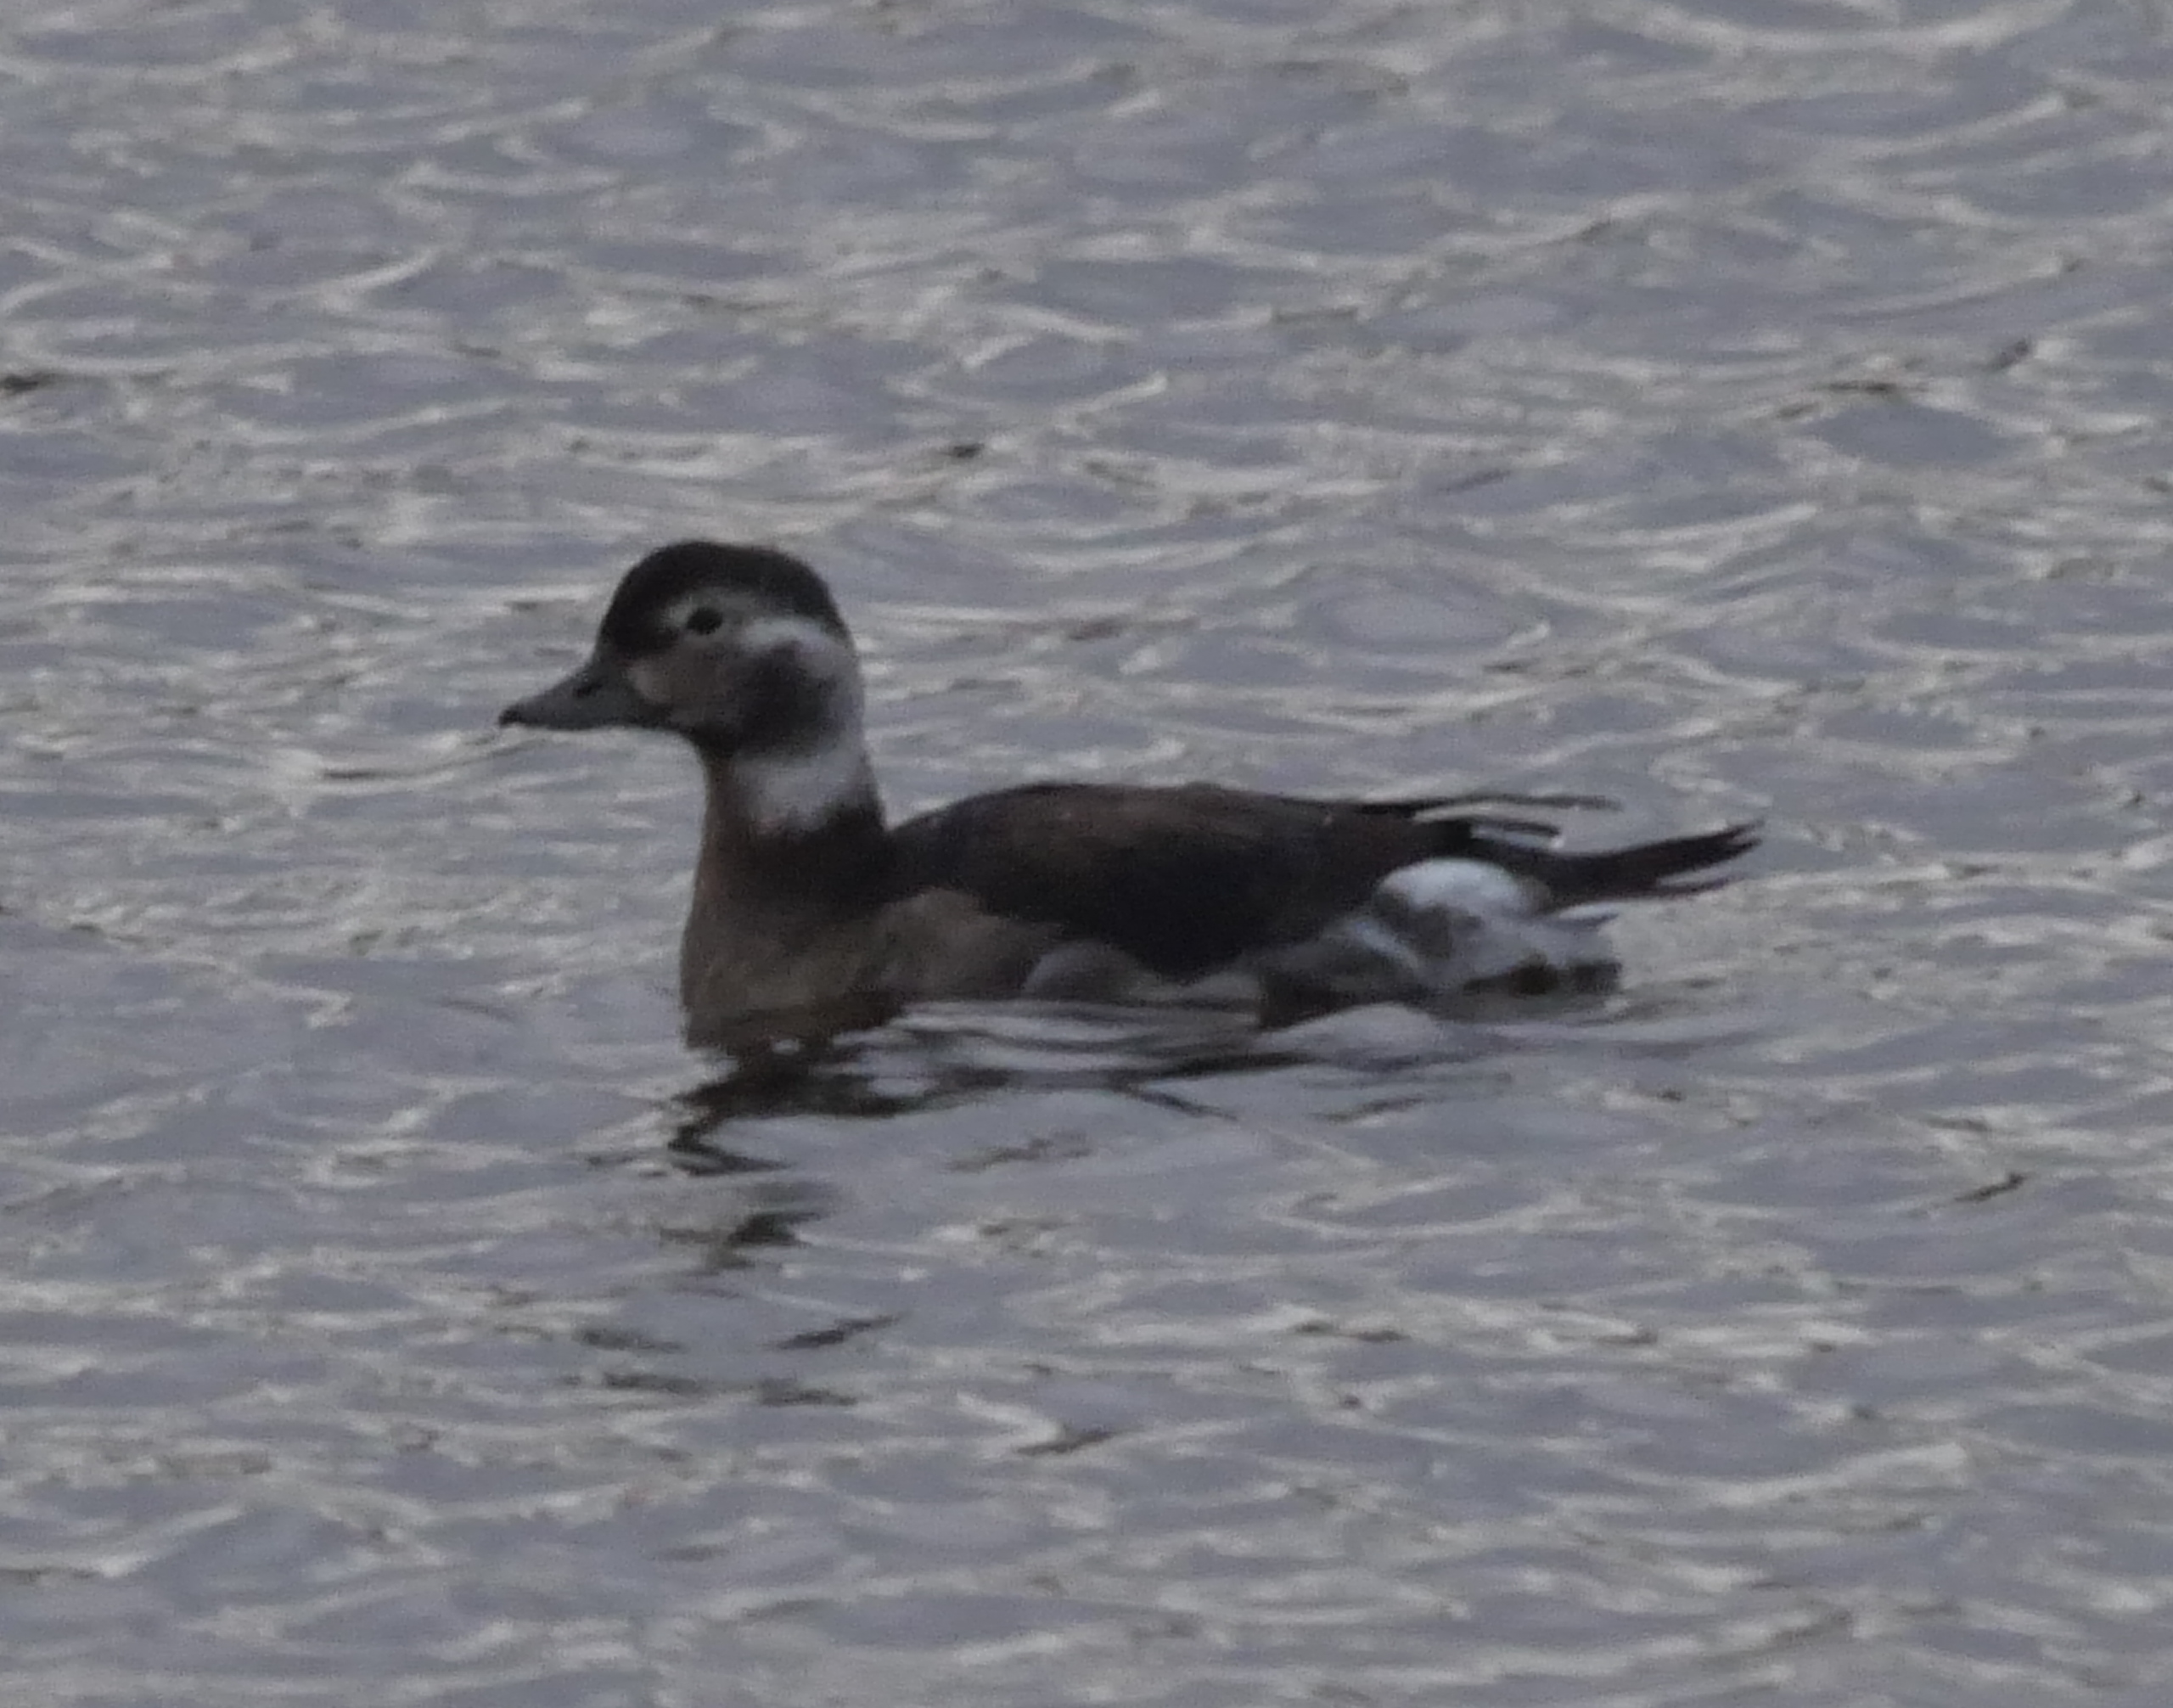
(1721, 409)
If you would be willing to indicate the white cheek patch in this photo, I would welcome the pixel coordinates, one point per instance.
(806, 786)
(820, 654)
(650, 680)
(798, 788)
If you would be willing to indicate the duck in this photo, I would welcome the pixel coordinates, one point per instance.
(812, 912)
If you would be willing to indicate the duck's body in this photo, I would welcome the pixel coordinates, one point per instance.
(811, 913)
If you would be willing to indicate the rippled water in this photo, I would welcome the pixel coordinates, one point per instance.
(1727, 408)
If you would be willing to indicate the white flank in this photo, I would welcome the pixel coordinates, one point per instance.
(1468, 922)
(798, 792)
(1441, 926)
(1463, 886)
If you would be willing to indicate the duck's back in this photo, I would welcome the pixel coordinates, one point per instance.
(1183, 880)
(1321, 902)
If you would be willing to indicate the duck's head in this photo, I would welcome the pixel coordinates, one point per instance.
(738, 649)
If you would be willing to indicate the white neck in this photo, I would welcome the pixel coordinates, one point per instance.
(795, 793)
(800, 790)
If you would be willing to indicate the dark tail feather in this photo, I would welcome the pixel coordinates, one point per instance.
(1619, 874)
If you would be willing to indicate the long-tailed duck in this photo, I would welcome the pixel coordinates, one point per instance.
(810, 913)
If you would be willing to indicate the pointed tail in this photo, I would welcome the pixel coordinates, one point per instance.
(1642, 871)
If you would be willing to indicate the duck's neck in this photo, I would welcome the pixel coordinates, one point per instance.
(794, 871)
(772, 837)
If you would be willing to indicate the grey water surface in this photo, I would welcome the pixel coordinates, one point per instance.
(1742, 408)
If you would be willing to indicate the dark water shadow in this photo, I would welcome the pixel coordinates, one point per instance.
(952, 1054)
(1192, 1063)
(948, 1056)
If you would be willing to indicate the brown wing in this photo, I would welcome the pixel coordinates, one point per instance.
(1183, 880)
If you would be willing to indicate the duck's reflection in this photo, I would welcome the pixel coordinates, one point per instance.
(945, 1054)
(764, 1131)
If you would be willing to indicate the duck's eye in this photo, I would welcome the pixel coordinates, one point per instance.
(702, 621)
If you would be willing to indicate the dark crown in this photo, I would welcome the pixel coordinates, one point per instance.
(634, 622)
